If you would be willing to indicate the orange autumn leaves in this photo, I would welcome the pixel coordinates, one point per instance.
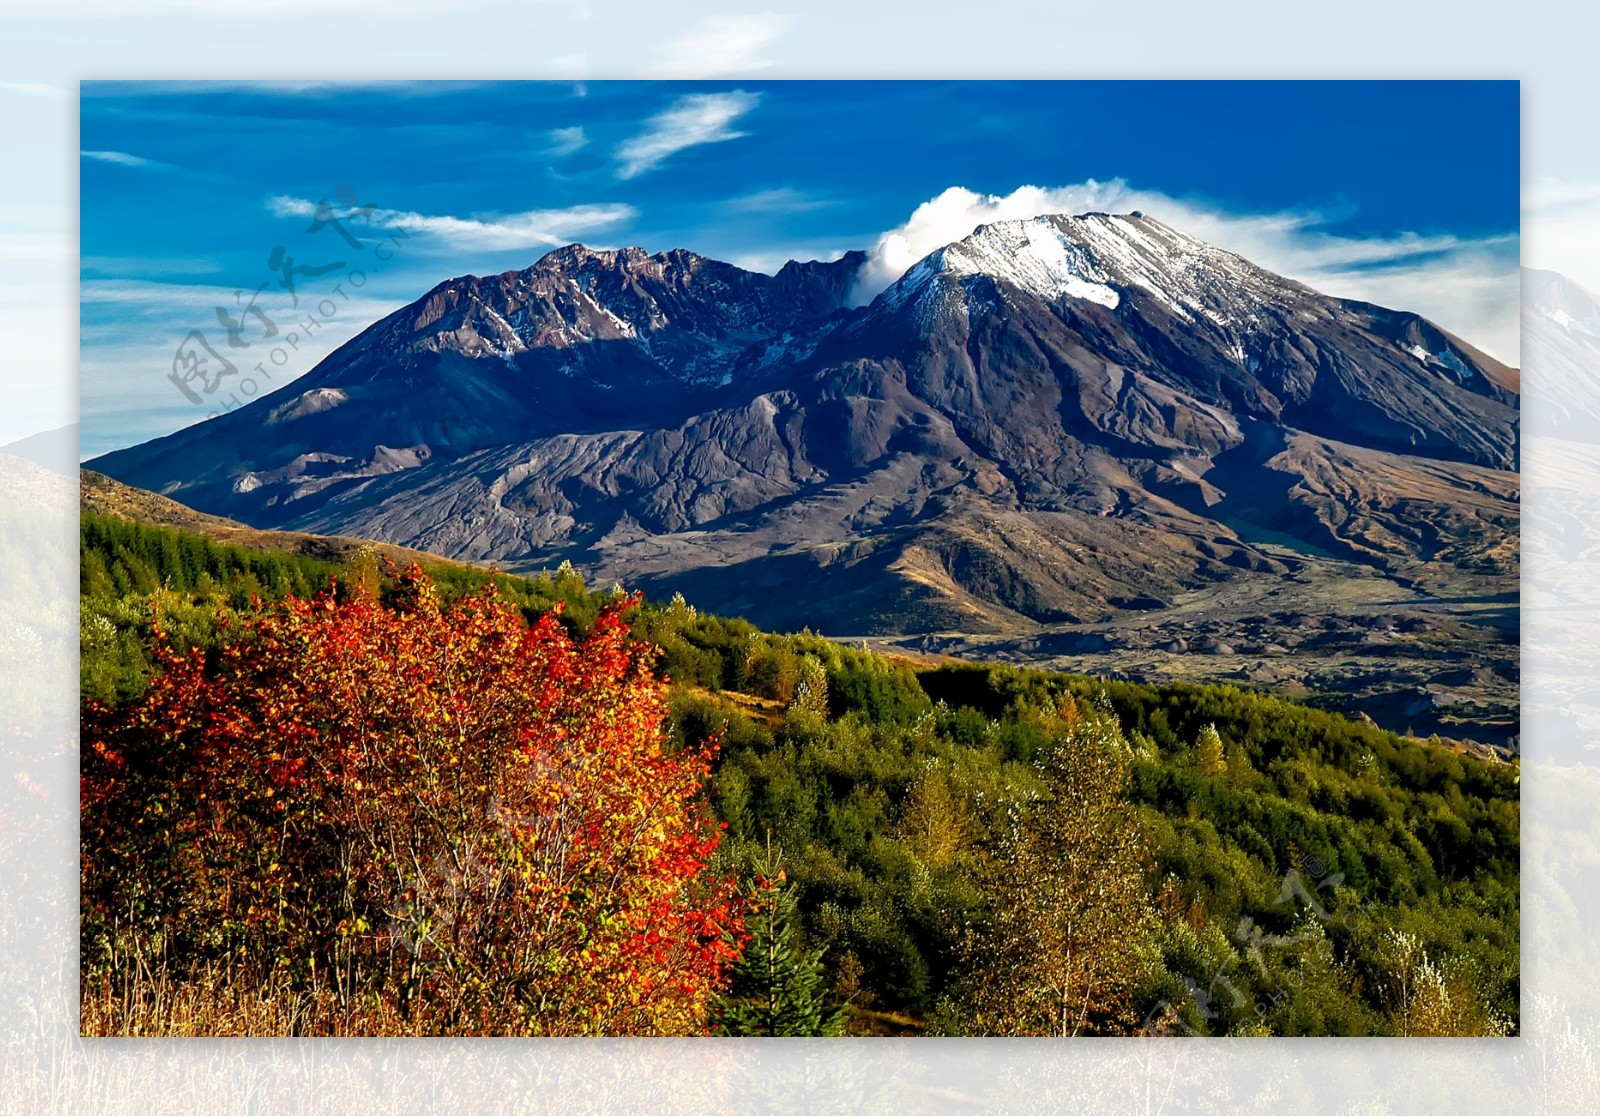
(437, 805)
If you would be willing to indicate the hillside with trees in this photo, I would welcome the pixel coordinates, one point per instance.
(337, 796)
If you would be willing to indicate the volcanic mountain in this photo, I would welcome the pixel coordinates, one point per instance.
(1051, 421)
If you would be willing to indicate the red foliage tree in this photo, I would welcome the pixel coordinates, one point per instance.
(440, 805)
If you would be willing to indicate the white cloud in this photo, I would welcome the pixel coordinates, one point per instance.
(130, 330)
(123, 159)
(1470, 286)
(564, 141)
(533, 229)
(694, 119)
(782, 199)
(157, 295)
(538, 228)
(281, 205)
(148, 265)
(722, 46)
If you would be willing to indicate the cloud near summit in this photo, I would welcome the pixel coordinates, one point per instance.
(1468, 285)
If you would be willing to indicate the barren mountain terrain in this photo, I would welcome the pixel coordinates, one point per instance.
(1089, 440)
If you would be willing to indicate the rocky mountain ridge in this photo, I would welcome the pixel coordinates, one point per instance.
(1051, 421)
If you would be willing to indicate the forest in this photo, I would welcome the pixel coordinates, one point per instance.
(345, 798)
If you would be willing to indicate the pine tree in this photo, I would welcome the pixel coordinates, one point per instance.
(778, 987)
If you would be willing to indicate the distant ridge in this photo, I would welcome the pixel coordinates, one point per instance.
(56, 450)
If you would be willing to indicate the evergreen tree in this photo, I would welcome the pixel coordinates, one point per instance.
(778, 985)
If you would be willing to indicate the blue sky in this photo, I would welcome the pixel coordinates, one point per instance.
(1404, 192)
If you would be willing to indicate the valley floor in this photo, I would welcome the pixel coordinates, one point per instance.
(1442, 660)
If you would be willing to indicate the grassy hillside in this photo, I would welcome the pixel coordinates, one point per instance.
(1297, 873)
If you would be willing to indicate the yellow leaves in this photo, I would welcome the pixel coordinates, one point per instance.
(498, 793)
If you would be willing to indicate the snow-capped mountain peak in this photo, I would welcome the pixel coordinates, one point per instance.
(1035, 255)
(1102, 258)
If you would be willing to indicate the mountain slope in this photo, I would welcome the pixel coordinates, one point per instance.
(582, 340)
(1561, 338)
(1050, 421)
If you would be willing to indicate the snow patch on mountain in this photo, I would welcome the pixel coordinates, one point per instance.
(1447, 358)
(1102, 258)
(1456, 365)
(1035, 256)
(1587, 325)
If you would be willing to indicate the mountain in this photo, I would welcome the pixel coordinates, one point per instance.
(56, 450)
(1561, 340)
(1058, 421)
(1561, 343)
(582, 340)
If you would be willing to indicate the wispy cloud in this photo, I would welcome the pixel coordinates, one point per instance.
(130, 329)
(782, 199)
(564, 141)
(158, 297)
(147, 265)
(123, 159)
(1469, 285)
(722, 45)
(538, 228)
(692, 120)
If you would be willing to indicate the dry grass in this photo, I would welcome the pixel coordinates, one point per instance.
(138, 995)
(223, 1002)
